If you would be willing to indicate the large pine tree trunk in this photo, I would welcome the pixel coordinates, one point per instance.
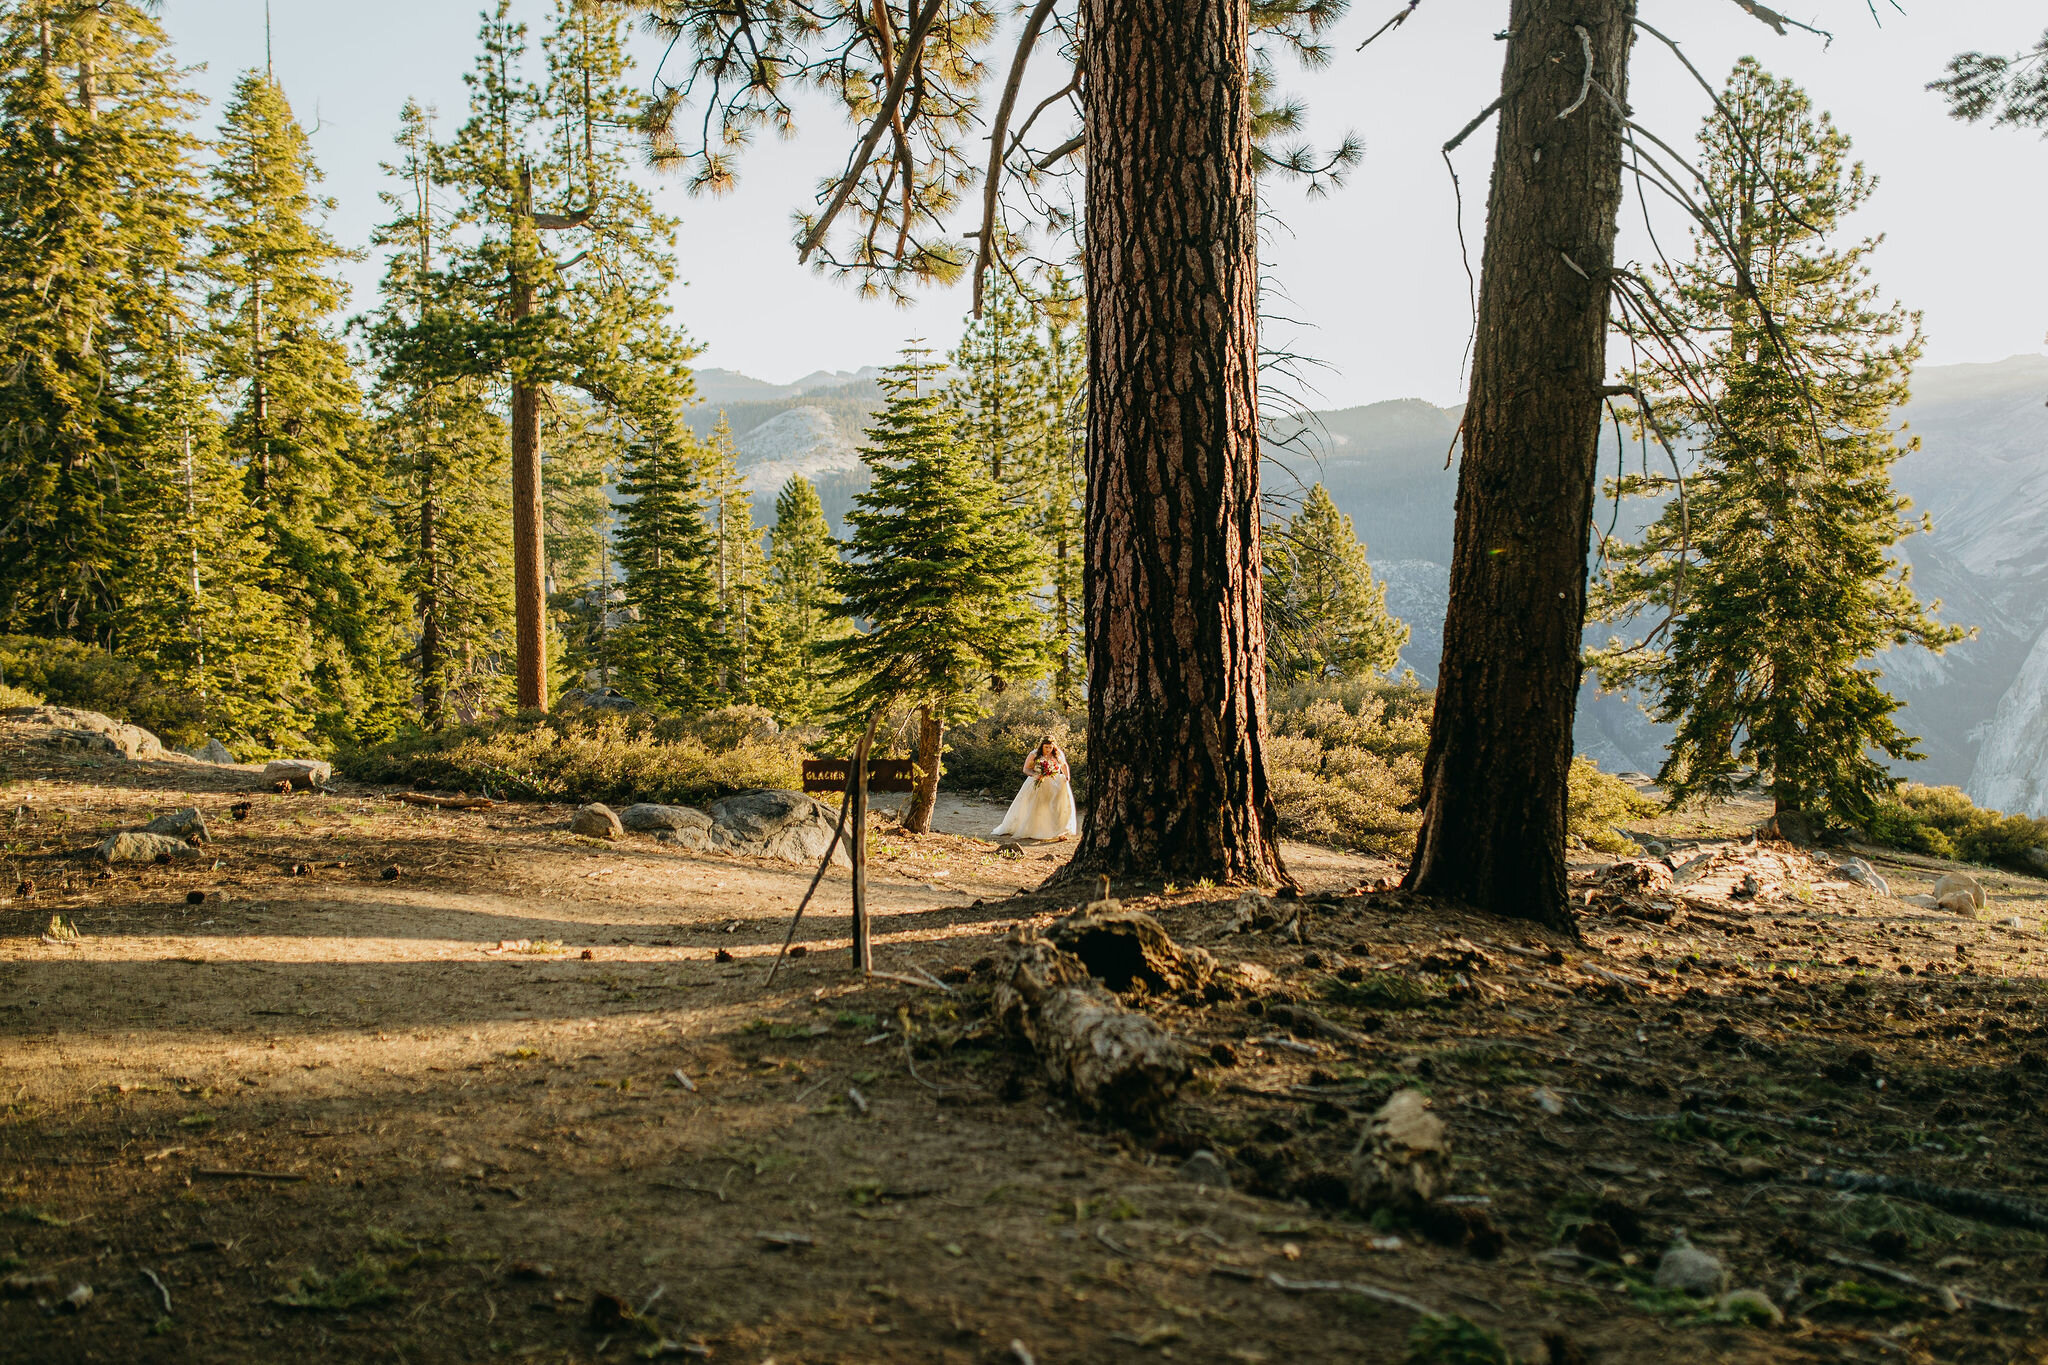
(529, 601)
(1176, 649)
(1500, 745)
(931, 733)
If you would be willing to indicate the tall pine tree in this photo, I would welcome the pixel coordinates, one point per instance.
(939, 572)
(97, 202)
(443, 442)
(295, 414)
(739, 570)
(669, 656)
(1776, 558)
(1325, 616)
(801, 560)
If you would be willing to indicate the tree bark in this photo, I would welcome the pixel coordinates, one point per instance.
(931, 733)
(1176, 648)
(1500, 743)
(529, 602)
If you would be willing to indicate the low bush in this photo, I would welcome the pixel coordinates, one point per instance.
(1597, 801)
(615, 759)
(1345, 761)
(987, 755)
(70, 673)
(1943, 822)
(11, 696)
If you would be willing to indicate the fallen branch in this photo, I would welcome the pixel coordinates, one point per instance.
(1940, 1291)
(445, 802)
(1982, 1205)
(213, 1173)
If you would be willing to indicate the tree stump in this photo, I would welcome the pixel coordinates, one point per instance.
(1113, 1061)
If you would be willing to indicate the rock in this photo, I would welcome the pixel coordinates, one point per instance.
(600, 700)
(689, 840)
(647, 817)
(1925, 902)
(596, 820)
(1689, 1270)
(65, 727)
(1404, 1160)
(213, 751)
(1128, 948)
(142, 848)
(785, 825)
(2037, 858)
(301, 773)
(1205, 1168)
(2013, 922)
(1863, 874)
(1953, 882)
(1958, 903)
(181, 824)
(1751, 1305)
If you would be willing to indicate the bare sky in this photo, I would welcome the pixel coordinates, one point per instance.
(1372, 270)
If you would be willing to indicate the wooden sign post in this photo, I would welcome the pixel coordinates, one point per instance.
(853, 779)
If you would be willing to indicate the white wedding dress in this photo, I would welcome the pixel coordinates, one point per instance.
(1044, 809)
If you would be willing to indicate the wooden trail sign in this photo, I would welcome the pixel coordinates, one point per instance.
(834, 774)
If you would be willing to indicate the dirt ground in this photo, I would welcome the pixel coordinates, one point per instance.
(326, 1115)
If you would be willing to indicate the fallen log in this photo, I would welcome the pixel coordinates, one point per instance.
(1127, 948)
(1112, 1060)
(445, 802)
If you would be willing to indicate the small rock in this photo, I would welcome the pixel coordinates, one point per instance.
(1751, 1305)
(1205, 1168)
(182, 824)
(1954, 883)
(78, 1300)
(213, 751)
(1862, 873)
(299, 773)
(2013, 922)
(596, 820)
(142, 848)
(392, 873)
(1405, 1158)
(1689, 1270)
(1957, 903)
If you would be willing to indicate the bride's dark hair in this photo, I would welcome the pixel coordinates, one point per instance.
(1047, 740)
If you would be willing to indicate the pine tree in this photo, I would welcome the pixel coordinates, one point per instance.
(444, 446)
(801, 561)
(295, 420)
(97, 201)
(1325, 616)
(1060, 515)
(1776, 557)
(939, 572)
(668, 657)
(997, 391)
(747, 639)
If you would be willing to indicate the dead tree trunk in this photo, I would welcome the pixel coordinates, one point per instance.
(1500, 744)
(1176, 649)
(931, 733)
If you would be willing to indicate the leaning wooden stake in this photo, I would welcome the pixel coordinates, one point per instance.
(846, 803)
(863, 947)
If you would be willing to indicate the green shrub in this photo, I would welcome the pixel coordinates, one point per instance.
(616, 759)
(1345, 760)
(70, 673)
(987, 755)
(11, 696)
(1597, 801)
(1942, 822)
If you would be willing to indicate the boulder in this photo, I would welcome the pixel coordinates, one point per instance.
(596, 700)
(1955, 883)
(1958, 903)
(65, 727)
(141, 848)
(785, 825)
(596, 820)
(213, 751)
(1863, 874)
(179, 824)
(647, 817)
(303, 773)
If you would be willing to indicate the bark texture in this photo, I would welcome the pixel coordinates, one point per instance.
(924, 798)
(1500, 744)
(1113, 1061)
(529, 600)
(1176, 649)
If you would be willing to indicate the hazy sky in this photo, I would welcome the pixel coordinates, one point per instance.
(1372, 269)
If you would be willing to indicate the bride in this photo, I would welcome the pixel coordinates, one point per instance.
(1044, 809)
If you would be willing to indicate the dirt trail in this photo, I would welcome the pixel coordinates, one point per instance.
(329, 1117)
